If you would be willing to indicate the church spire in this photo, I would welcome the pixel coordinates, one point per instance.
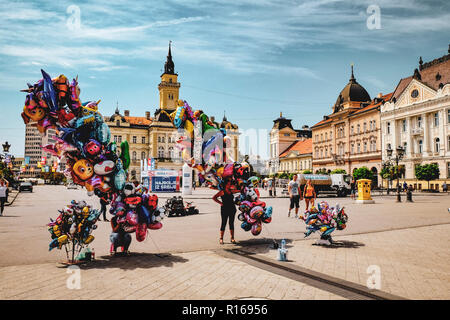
(352, 78)
(169, 66)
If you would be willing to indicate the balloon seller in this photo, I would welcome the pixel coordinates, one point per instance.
(227, 209)
(118, 237)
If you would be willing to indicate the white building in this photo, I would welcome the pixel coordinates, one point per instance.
(417, 118)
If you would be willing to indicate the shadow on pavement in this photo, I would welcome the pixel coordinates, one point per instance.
(345, 244)
(134, 261)
(262, 245)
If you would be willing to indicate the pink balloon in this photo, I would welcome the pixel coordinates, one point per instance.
(256, 229)
(132, 218)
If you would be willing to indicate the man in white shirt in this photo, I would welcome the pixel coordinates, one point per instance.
(3, 189)
(294, 194)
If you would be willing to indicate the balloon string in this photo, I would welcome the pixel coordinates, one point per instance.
(157, 248)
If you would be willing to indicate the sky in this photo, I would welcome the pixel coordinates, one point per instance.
(249, 58)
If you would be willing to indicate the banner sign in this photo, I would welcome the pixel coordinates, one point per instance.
(164, 180)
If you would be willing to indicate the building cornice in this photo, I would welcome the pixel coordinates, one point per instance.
(415, 106)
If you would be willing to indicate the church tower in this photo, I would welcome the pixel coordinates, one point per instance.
(169, 86)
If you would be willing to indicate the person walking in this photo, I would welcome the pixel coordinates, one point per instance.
(405, 186)
(4, 184)
(353, 189)
(104, 201)
(294, 195)
(227, 210)
(269, 186)
(444, 187)
(309, 194)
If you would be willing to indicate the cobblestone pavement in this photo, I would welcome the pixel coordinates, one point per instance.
(413, 262)
(194, 275)
(408, 241)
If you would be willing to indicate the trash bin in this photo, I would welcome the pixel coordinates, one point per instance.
(364, 195)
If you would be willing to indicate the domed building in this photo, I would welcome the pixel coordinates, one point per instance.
(350, 138)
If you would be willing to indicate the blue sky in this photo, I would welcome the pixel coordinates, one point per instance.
(252, 58)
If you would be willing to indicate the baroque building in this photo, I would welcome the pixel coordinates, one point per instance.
(155, 137)
(417, 118)
(350, 137)
(282, 137)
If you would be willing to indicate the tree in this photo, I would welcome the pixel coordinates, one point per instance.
(363, 173)
(322, 171)
(307, 172)
(284, 175)
(336, 171)
(427, 172)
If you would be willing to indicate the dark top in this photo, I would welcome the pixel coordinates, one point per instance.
(228, 202)
(114, 225)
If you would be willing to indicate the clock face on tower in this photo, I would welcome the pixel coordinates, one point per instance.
(414, 93)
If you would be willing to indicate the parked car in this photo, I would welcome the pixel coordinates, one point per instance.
(26, 186)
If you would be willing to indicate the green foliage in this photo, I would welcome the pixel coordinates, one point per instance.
(427, 172)
(283, 175)
(307, 172)
(322, 171)
(392, 172)
(363, 173)
(336, 171)
(6, 173)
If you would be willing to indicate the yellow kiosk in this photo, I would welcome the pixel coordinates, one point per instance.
(364, 191)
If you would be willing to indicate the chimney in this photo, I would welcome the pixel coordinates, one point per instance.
(147, 115)
(127, 113)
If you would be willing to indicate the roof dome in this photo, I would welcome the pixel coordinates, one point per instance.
(353, 91)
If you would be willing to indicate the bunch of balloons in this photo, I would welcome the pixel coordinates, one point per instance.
(83, 137)
(73, 227)
(253, 211)
(137, 211)
(206, 147)
(325, 219)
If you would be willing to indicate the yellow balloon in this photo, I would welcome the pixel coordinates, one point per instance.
(63, 239)
(323, 229)
(219, 172)
(189, 127)
(89, 239)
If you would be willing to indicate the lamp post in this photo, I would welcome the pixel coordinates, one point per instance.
(398, 156)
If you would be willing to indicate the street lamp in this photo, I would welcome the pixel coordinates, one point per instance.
(399, 155)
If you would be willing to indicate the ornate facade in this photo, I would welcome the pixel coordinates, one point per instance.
(350, 137)
(282, 137)
(417, 118)
(155, 137)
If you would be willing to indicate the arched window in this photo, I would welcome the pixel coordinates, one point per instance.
(358, 128)
(171, 153)
(118, 123)
(405, 145)
(436, 145)
(420, 146)
(143, 155)
(134, 155)
(159, 139)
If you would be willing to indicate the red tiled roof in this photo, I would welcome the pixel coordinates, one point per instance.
(140, 121)
(301, 146)
(428, 74)
(373, 105)
(322, 122)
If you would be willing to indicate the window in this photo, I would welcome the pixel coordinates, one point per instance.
(358, 148)
(404, 125)
(419, 122)
(326, 136)
(388, 128)
(405, 146)
(352, 150)
(365, 146)
(118, 123)
(143, 155)
(351, 129)
(160, 152)
(134, 139)
(159, 139)
(119, 139)
(321, 153)
(448, 143)
(420, 146)
(171, 153)
(365, 127)
(163, 139)
(448, 169)
(321, 137)
(436, 145)
(143, 140)
(326, 152)
(134, 155)
(436, 119)
(358, 129)
(448, 116)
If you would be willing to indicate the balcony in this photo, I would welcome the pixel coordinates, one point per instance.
(417, 131)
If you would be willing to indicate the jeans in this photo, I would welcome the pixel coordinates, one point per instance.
(120, 239)
(103, 210)
(2, 204)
